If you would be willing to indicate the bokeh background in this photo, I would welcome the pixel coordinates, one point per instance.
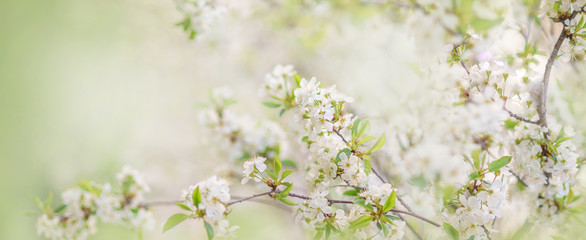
(89, 86)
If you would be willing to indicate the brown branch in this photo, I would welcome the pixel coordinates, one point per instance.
(519, 178)
(542, 106)
(522, 119)
(251, 197)
(410, 227)
(415, 215)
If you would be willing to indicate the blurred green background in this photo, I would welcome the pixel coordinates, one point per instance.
(87, 86)
(82, 84)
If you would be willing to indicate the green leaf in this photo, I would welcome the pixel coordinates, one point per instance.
(391, 217)
(366, 139)
(39, 203)
(498, 164)
(60, 208)
(352, 192)
(48, 202)
(271, 104)
(318, 234)
(385, 229)
(362, 203)
(511, 124)
(378, 145)
(297, 79)
(287, 201)
(355, 128)
(209, 230)
(192, 35)
(481, 25)
(271, 174)
(286, 173)
(346, 151)
(367, 166)
(361, 222)
(196, 197)
(328, 231)
(363, 127)
(475, 176)
(451, 231)
(390, 203)
(278, 165)
(174, 220)
(183, 206)
(286, 191)
(282, 112)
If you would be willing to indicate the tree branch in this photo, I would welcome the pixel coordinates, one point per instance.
(542, 105)
(251, 197)
(415, 215)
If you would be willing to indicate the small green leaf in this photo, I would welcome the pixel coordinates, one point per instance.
(367, 166)
(286, 173)
(174, 220)
(362, 203)
(271, 174)
(385, 229)
(498, 164)
(366, 139)
(282, 112)
(192, 35)
(318, 234)
(391, 217)
(289, 163)
(511, 124)
(209, 230)
(361, 222)
(286, 191)
(183, 206)
(39, 203)
(278, 165)
(378, 145)
(363, 127)
(60, 208)
(352, 192)
(355, 128)
(287, 201)
(475, 176)
(196, 197)
(271, 104)
(346, 151)
(390, 203)
(451, 231)
(48, 202)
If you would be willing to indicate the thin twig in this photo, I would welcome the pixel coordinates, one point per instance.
(542, 106)
(410, 227)
(342, 137)
(329, 200)
(251, 197)
(522, 119)
(415, 215)
(519, 178)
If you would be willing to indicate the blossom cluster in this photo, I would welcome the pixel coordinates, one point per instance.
(84, 205)
(337, 154)
(200, 15)
(209, 200)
